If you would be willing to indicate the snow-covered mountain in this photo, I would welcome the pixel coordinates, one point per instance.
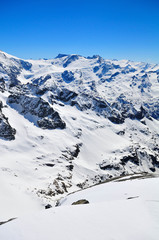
(72, 122)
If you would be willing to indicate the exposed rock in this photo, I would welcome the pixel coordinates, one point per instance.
(36, 110)
(6, 131)
(64, 95)
(121, 133)
(69, 154)
(48, 206)
(70, 167)
(105, 166)
(70, 59)
(49, 164)
(152, 169)
(2, 85)
(145, 83)
(103, 68)
(68, 76)
(153, 108)
(51, 122)
(76, 151)
(82, 201)
(41, 80)
(132, 158)
(99, 103)
(118, 119)
(26, 65)
(95, 69)
(155, 161)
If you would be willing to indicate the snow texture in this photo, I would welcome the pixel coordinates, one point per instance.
(118, 210)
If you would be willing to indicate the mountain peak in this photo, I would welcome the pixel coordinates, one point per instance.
(61, 55)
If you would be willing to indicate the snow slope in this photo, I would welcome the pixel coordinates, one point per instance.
(71, 122)
(117, 210)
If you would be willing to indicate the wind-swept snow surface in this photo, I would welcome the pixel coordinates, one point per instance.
(117, 210)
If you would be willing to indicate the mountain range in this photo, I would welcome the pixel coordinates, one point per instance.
(71, 122)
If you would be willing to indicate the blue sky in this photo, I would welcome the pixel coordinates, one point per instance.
(112, 29)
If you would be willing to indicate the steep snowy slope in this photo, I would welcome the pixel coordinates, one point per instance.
(71, 122)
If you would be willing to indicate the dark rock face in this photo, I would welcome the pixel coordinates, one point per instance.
(48, 206)
(49, 164)
(68, 76)
(2, 85)
(82, 201)
(132, 158)
(36, 110)
(135, 157)
(116, 112)
(99, 103)
(105, 67)
(70, 167)
(138, 156)
(76, 151)
(6, 131)
(145, 83)
(155, 161)
(117, 119)
(12, 68)
(105, 166)
(26, 65)
(41, 80)
(65, 95)
(70, 60)
(139, 114)
(53, 122)
(82, 102)
(12, 72)
(153, 109)
(13, 80)
(122, 109)
(95, 69)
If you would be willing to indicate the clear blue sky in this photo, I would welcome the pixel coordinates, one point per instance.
(113, 29)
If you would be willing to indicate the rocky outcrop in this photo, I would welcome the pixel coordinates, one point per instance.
(37, 111)
(41, 80)
(64, 95)
(152, 108)
(2, 85)
(68, 76)
(138, 158)
(6, 131)
(81, 201)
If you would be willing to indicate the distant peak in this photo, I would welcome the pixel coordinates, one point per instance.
(71, 59)
(94, 56)
(60, 55)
